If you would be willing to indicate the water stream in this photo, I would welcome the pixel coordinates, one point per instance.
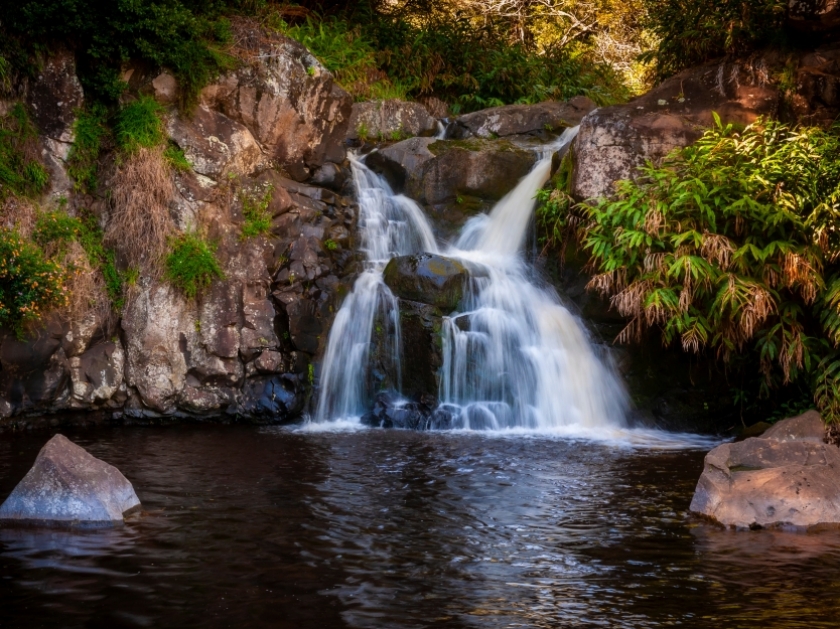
(514, 356)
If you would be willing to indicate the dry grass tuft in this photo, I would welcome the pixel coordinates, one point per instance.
(86, 286)
(18, 213)
(140, 223)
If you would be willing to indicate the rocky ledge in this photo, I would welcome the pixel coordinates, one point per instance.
(788, 477)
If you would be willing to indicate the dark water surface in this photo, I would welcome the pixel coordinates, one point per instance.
(249, 527)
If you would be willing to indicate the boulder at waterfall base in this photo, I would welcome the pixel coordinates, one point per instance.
(67, 486)
(787, 477)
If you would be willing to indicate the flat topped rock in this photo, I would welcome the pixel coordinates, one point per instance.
(70, 487)
(788, 476)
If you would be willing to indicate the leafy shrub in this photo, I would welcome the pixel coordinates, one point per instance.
(82, 163)
(139, 125)
(30, 284)
(257, 216)
(187, 36)
(191, 266)
(376, 55)
(20, 171)
(690, 32)
(732, 245)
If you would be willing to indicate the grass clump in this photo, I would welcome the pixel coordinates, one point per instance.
(256, 213)
(192, 265)
(139, 125)
(140, 223)
(30, 283)
(732, 245)
(176, 158)
(21, 174)
(82, 164)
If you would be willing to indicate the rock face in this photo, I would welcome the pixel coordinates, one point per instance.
(499, 122)
(68, 487)
(390, 119)
(786, 477)
(242, 349)
(613, 141)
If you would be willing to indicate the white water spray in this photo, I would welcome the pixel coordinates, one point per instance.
(514, 358)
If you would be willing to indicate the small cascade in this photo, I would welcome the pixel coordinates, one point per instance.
(389, 225)
(514, 357)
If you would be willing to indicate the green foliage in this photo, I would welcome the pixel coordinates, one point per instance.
(176, 158)
(256, 213)
(30, 284)
(555, 222)
(139, 125)
(20, 171)
(191, 266)
(90, 128)
(186, 36)
(330, 244)
(732, 245)
(690, 32)
(376, 55)
(57, 227)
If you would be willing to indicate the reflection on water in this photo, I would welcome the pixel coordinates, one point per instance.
(277, 528)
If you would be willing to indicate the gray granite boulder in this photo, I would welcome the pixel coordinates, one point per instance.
(499, 122)
(787, 477)
(69, 487)
(390, 119)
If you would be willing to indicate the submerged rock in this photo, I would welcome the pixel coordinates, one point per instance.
(427, 278)
(390, 410)
(787, 477)
(68, 486)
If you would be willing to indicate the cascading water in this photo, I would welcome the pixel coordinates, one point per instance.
(390, 225)
(513, 358)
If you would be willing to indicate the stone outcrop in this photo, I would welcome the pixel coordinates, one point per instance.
(389, 120)
(453, 179)
(613, 141)
(786, 477)
(69, 487)
(242, 349)
(511, 120)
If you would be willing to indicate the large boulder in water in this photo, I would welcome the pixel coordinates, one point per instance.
(68, 486)
(787, 477)
(428, 278)
(499, 122)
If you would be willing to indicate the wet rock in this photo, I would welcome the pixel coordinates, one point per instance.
(390, 120)
(390, 410)
(401, 161)
(498, 122)
(484, 169)
(421, 343)
(97, 374)
(67, 486)
(427, 278)
(273, 399)
(786, 477)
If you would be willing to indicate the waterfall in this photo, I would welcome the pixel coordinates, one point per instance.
(514, 357)
(389, 225)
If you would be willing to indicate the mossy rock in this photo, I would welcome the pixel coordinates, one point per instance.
(429, 279)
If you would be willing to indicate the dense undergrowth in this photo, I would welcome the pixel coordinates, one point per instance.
(730, 247)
